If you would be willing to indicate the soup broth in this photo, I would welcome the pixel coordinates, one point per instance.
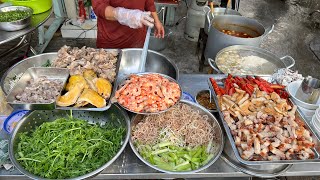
(236, 33)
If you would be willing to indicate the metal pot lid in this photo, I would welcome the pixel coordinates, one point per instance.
(248, 60)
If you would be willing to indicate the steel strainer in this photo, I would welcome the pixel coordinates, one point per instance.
(36, 118)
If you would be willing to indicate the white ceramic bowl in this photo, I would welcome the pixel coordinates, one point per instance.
(308, 113)
(292, 89)
(317, 114)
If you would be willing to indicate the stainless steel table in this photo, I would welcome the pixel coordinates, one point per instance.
(5, 36)
(37, 20)
(128, 166)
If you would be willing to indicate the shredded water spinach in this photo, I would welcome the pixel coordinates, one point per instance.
(68, 148)
(16, 15)
(47, 64)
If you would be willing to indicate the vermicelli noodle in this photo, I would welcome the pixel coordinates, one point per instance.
(181, 125)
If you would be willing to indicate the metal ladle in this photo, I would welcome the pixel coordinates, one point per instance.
(228, 4)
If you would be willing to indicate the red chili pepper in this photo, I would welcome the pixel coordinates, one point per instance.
(247, 81)
(261, 80)
(270, 90)
(282, 93)
(215, 87)
(277, 86)
(222, 90)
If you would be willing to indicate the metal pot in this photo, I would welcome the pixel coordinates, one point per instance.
(216, 12)
(217, 40)
(155, 62)
(16, 25)
(242, 50)
(159, 44)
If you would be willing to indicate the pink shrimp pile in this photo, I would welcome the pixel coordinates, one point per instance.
(148, 93)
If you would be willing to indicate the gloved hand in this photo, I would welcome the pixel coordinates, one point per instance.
(133, 18)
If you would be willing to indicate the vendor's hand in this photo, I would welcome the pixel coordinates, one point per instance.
(133, 18)
(159, 30)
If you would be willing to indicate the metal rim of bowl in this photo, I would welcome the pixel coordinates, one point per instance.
(212, 100)
(6, 73)
(85, 176)
(22, 7)
(243, 17)
(159, 54)
(122, 82)
(249, 48)
(167, 32)
(213, 160)
(314, 106)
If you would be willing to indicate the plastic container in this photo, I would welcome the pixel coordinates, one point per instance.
(38, 6)
(11, 121)
(2, 119)
(188, 97)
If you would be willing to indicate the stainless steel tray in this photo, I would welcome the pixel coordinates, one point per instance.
(40, 60)
(114, 89)
(262, 171)
(246, 162)
(35, 73)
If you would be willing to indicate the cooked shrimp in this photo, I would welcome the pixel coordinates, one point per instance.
(148, 93)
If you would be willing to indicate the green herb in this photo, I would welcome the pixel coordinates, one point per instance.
(47, 64)
(68, 148)
(15, 15)
(173, 158)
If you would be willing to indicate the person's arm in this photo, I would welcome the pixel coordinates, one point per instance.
(130, 17)
(159, 30)
(159, 33)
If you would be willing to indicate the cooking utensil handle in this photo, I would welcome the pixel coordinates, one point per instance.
(212, 64)
(288, 61)
(269, 30)
(208, 16)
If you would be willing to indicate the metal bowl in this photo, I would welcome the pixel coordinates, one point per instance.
(271, 60)
(156, 62)
(22, 66)
(292, 89)
(219, 139)
(36, 118)
(159, 44)
(217, 12)
(123, 81)
(212, 100)
(16, 25)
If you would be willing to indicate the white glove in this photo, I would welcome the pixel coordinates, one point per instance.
(133, 18)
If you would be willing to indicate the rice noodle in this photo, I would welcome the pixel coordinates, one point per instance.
(181, 125)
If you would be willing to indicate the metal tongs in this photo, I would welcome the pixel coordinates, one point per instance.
(142, 65)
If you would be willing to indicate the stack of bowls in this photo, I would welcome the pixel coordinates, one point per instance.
(307, 109)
